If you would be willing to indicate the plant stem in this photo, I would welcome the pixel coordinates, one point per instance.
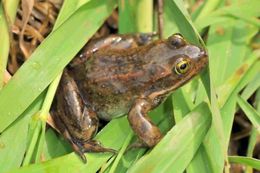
(44, 113)
(144, 11)
(121, 152)
(7, 17)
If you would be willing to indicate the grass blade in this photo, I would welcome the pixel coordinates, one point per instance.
(208, 7)
(162, 116)
(248, 8)
(50, 58)
(175, 11)
(250, 112)
(127, 20)
(251, 145)
(251, 88)
(7, 17)
(72, 161)
(177, 141)
(254, 163)
(13, 140)
(68, 8)
(54, 146)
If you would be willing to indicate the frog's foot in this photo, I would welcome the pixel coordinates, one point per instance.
(95, 146)
(137, 144)
(89, 146)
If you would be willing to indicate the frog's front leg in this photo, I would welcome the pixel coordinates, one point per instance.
(77, 123)
(142, 125)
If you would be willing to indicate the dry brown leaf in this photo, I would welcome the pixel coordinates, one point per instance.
(27, 6)
(51, 123)
(7, 77)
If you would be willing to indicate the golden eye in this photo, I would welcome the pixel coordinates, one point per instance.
(182, 67)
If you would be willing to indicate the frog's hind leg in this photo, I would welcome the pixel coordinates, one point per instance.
(80, 147)
(77, 123)
(62, 129)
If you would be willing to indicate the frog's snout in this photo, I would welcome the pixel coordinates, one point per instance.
(203, 58)
(203, 53)
(194, 52)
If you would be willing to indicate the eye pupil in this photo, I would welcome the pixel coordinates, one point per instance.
(182, 67)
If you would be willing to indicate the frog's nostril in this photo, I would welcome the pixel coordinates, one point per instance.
(203, 52)
(203, 57)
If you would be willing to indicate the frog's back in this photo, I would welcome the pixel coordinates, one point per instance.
(112, 80)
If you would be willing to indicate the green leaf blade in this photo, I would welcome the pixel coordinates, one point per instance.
(254, 163)
(50, 58)
(177, 141)
(250, 112)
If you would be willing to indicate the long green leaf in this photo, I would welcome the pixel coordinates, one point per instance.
(13, 140)
(68, 7)
(162, 116)
(246, 10)
(179, 146)
(127, 20)
(73, 162)
(250, 112)
(175, 11)
(50, 58)
(254, 163)
(54, 146)
(7, 17)
(208, 7)
(251, 88)
(117, 130)
(141, 22)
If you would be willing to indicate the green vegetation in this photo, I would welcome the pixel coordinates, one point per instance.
(198, 116)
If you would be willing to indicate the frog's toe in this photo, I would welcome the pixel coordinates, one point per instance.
(89, 146)
(78, 149)
(137, 144)
(95, 146)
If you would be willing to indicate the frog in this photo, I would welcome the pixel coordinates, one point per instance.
(122, 75)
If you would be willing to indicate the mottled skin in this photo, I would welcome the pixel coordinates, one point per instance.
(121, 75)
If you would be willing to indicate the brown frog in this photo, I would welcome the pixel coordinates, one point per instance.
(118, 75)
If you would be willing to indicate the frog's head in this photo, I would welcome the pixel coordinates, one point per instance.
(179, 61)
(187, 60)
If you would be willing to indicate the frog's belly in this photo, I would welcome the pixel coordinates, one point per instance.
(104, 115)
(111, 111)
(108, 105)
(110, 98)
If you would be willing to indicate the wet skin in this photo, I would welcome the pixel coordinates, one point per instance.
(118, 75)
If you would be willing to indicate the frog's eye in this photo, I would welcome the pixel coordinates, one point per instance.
(176, 41)
(182, 67)
(178, 34)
